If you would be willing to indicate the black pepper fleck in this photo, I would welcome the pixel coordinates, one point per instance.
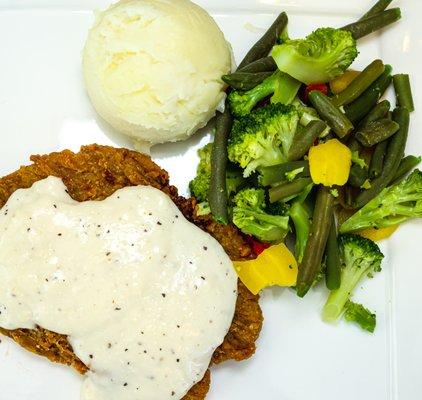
(91, 356)
(203, 278)
(159, 223)
(59, 234)
(163, 294)
(117, 309)
(125, 384)
(205, 248)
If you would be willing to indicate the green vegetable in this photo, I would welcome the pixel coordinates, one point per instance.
(263, 138)
(200, 185)
(377, 160)
(379, 6)
(287, 190)
(279, 173)
(217, 194)
(287, 90)
(395, 152)
(360, 257)
(403, 91)
(292, 175)
(305, 138)
(394, 205)
(360, 315)
(278, 84)
(357, 176)
(359, 84)
(406, 165)
(264, 64)
(376, 132)
(250, 216)
(333, 263)
(378, 112)
(203, 208)
(264, 45)
(320, 57)
(245, 80)
(366, 26)
(331, 114)
(358, 160)
(317, 240)
(359, 108)
(301, 215)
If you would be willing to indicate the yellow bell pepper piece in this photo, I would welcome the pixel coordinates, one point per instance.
(378, 234)
(274, 266)
(340, 83)
(330, 163)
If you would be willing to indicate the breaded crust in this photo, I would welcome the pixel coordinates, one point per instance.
(94, 174)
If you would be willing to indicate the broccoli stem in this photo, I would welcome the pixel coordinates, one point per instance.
(302, 222)
(338, 298)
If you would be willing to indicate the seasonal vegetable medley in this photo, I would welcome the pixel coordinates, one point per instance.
(308, 156)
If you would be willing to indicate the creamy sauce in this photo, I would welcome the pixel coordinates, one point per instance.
(144, 295)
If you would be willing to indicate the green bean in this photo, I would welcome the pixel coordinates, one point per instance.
(265, 64)
(378, 112)
(333, 270)
(392, 160)
(245, 80)
(359, 84)
(376, 132)
(348, 198)
(380, 6)
(403, 91)
(289, 189)
(277, 173)
(357, 176)
(330, 114)
(317, 240)
(359, 108)
(264, 45)
(218, 193)
(371, 24)
(377, 161)
(406, 165)
(305, 138)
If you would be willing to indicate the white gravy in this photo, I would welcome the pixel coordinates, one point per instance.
(144, 296)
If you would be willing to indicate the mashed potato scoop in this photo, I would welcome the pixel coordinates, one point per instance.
(153, 68)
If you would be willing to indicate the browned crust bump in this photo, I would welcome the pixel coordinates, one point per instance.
(94, 174)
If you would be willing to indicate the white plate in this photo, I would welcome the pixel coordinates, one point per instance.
(43, 108)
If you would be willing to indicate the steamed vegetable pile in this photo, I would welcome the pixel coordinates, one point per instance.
(308, 156)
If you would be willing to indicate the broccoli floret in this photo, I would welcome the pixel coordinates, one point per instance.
(283, 88)
(360, 257)
(200, 185)
(392, 206)
(277, 208)
(203, 208)
(360, 315)
(250, 216)
(320, 57)
(263, 138)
